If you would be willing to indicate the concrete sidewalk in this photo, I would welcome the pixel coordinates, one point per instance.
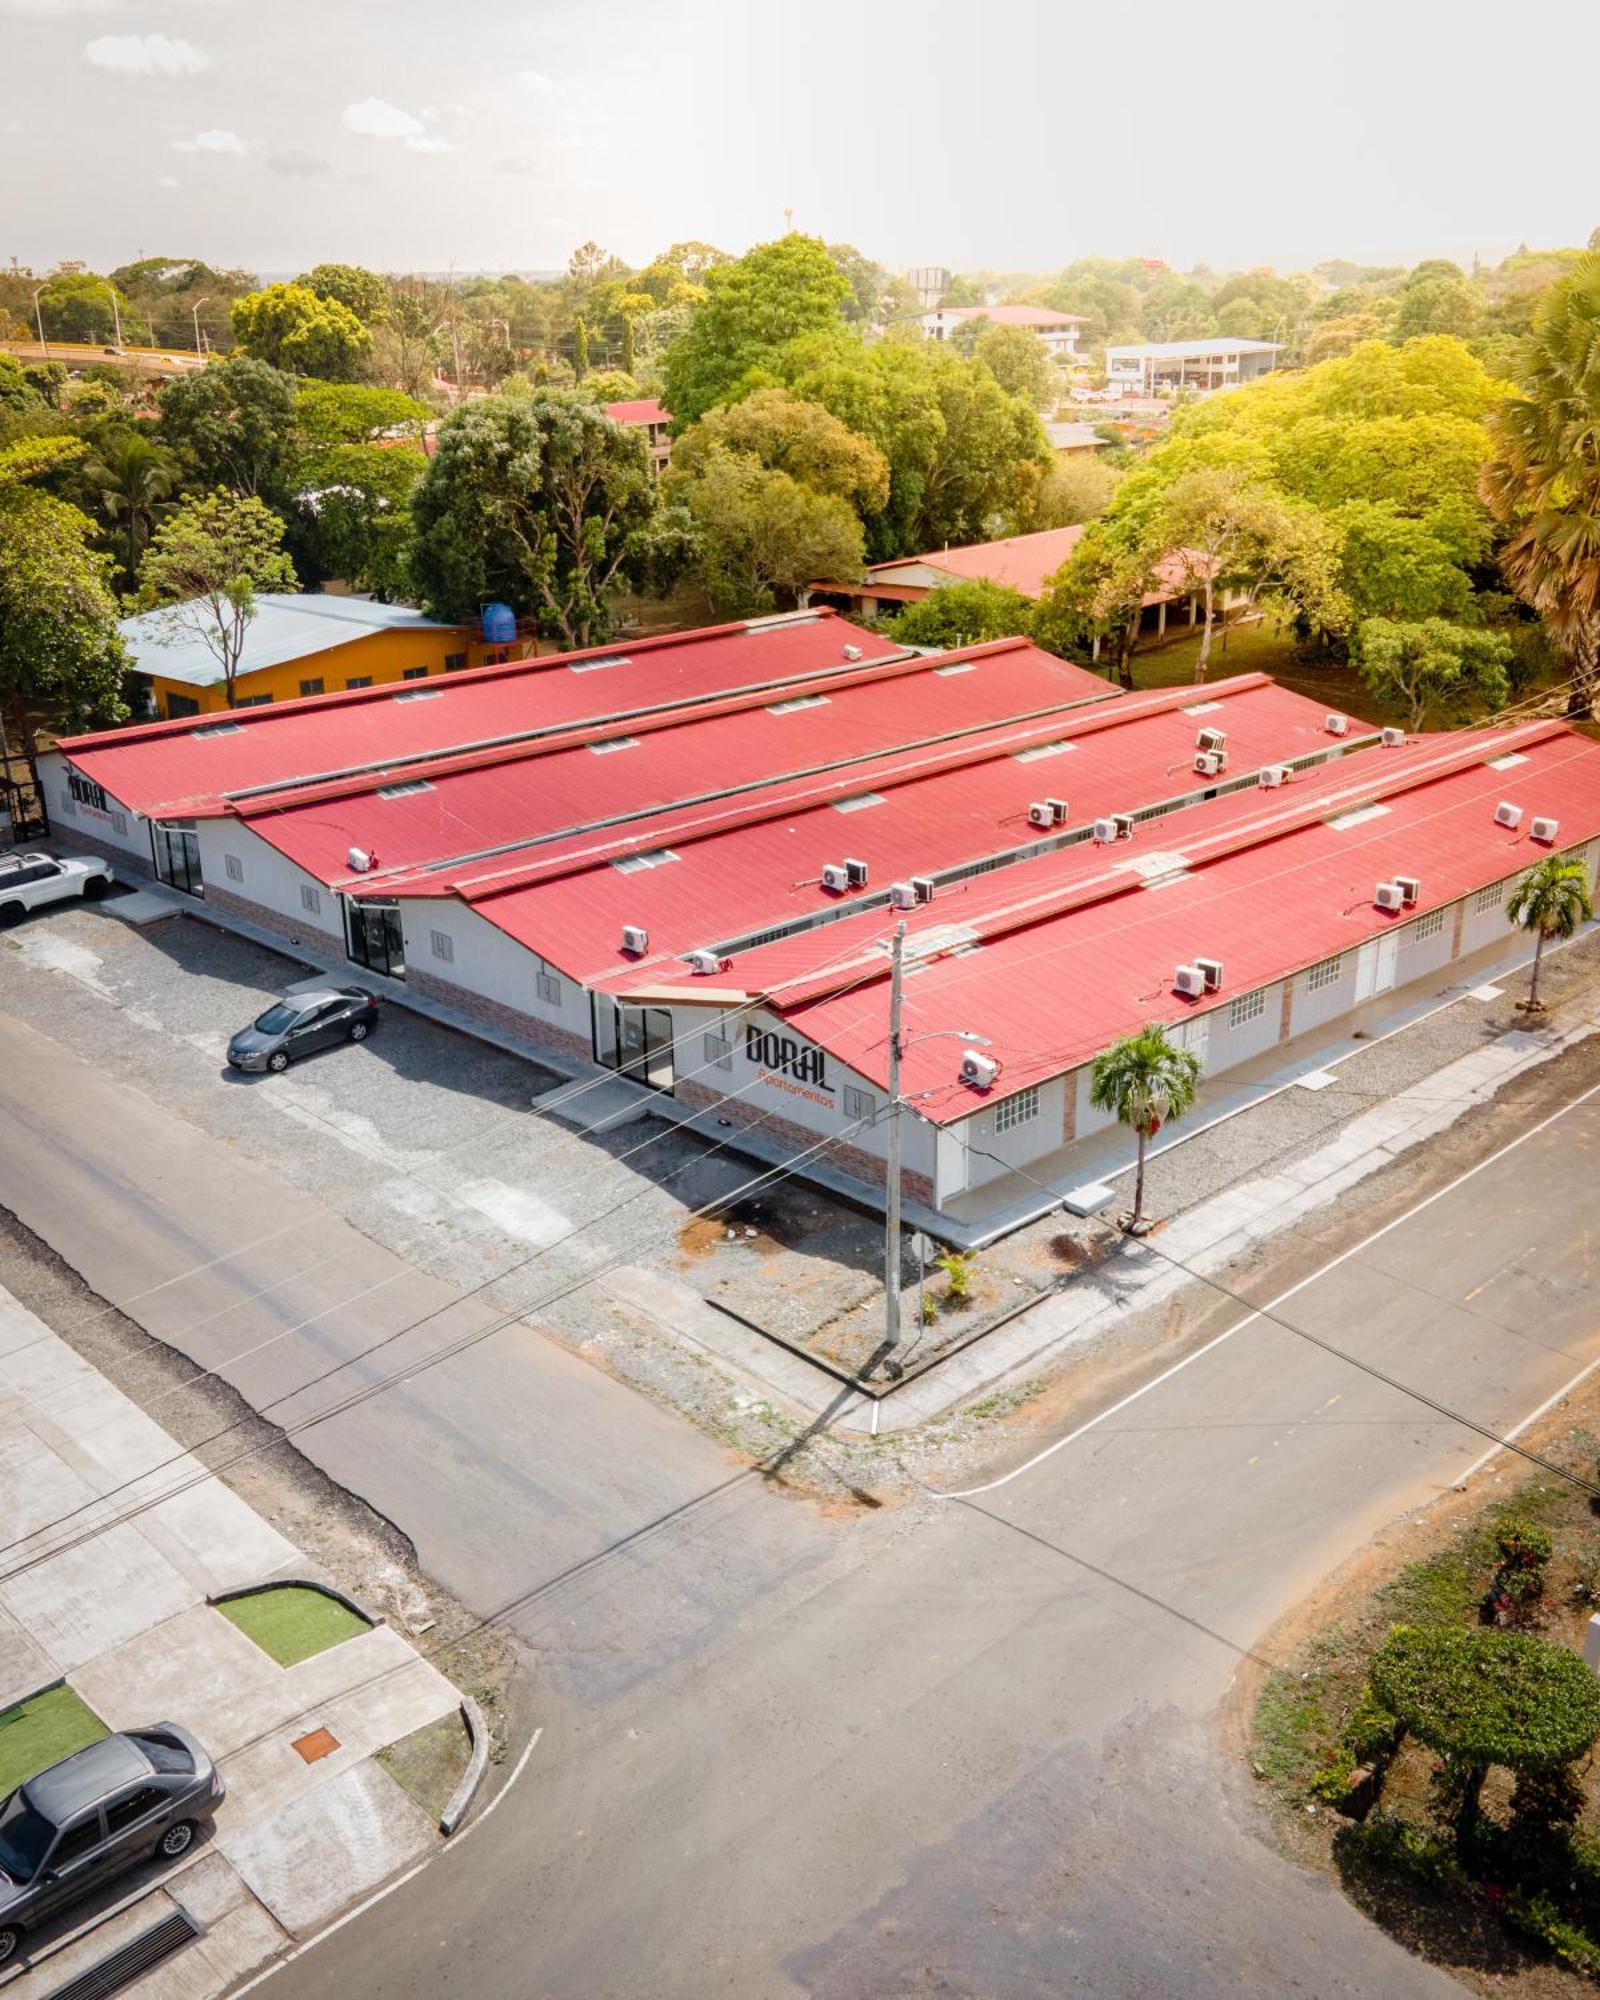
(106, 1584)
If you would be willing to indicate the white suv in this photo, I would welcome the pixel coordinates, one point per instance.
(31, 879)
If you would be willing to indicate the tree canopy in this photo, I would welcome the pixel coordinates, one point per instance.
(963, 614)
(233, 424)
(60, 652)
(204, 566)
(291, 327)
(753, 307)
(1489, 1697)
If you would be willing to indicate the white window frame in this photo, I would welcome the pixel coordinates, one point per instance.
(1325, 973)
(718, 1051)
(443, 946)
(310, 899)
(1490, 897)
(1426, 927)
(233, 867)
(1021, 1109)
(859, 1104)
(1247, 1007)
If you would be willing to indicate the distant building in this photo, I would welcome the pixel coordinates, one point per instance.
(649, 417)
(930, 282)
(295, 645)
(1068, 440)
(1058, 331)
(1205, 365)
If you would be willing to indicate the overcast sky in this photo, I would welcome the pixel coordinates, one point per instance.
(497, 134)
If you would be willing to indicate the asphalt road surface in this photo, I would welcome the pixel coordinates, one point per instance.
(965, 1747)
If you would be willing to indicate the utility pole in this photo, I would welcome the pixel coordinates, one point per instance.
(194, 313)
(116, 315)
(891, 1238)
(38, 320)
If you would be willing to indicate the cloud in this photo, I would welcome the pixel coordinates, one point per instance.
(147, 55)
(516, 166)
(298, 166)
(374, 118)
(211, 142)
(429, 145)
(169, 181)
(536, 79)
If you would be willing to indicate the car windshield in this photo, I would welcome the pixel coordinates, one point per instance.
(276, 1019)
(163, 1752)
(25, 1838)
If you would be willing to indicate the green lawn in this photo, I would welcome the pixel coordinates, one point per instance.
(292, 1623)
(1259, 647)
(42, 1731)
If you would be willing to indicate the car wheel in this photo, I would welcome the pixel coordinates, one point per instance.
(10, 1943)
(94, 888)
(278, 1061)
(10, 913)
(176, 1840)
(359, 1031)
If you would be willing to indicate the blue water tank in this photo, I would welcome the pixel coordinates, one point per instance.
(499, 624)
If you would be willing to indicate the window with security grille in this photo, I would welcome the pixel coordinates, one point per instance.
(1248, 1007)
(718, 1051)
(1428, 926)
(1325, 974)
(443, 945)
(1489, 898)
(234, 866)
(119, 822)
(548, 983)
(859, 1104)
(310, 900)
(1015, 1111)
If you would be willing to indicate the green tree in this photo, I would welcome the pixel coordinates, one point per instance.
(232, 424)
(61, 656)
(334, 413)
(1089, 610)
(1484, 1698)
(867, 281)
(1078, 487)
(206, 563)
(17, 393)
(359, 291)
(132, 477)
(1543, 483)
(290, 327)
(1144, 1081)
(352, 517)
(752, 308)
(1432, 665)
(1394, 566)
(1440, 301)
(77, 305)
(405, 344)
(1020, 362)
(762, 536)
(785, 433)
(963, 614)
(1551, 900)
(580, 348)
(544, 503)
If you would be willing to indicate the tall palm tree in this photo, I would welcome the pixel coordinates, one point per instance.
(1144, 1080)
(1544, 482)
(132, 477)
(1551, 900)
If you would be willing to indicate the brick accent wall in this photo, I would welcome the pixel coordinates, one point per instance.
(1458, 927)
(510, 1020)
(1286, 1012)
(68, 835)
(1069, 1107)
(225, 901)
(851, 1160)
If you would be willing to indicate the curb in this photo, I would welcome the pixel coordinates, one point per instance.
(477, 1764)
(371, 1619)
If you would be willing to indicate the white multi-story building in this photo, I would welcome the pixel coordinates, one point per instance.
(1058, 331)
(1165, 366)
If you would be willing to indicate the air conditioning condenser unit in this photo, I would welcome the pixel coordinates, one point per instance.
(978, 1070)
(703, 962)
(635, 939)
(1545, 830)
(1212, 968)
(1410, 887)
(1190, 981)
(1389, 896)
(1506, 814)
(834, 877)
(1393, 738)
(1211, 763)
(1336, 725)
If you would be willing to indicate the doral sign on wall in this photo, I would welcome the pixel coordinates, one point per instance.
(88, 794)
(793, 1065)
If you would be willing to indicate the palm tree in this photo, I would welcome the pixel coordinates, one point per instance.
(1544, 482)
(1144, 1080)
(133, 477)
(1551, 900)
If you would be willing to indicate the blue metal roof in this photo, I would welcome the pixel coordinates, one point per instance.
(170, 641)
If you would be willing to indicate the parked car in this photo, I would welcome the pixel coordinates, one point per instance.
(304, 1022)
(32, 878)
(86, 1819)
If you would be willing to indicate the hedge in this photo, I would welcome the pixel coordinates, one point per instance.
(1489, 1697)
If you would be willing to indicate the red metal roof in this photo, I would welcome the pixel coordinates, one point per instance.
(1021, 562)
(1275, 898)
(188, 768)
(647, 410)
(1014, 315)
(516, 797)
(753, 863)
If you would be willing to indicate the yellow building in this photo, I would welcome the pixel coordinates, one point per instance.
(297, 645)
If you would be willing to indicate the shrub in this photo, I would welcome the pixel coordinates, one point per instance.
(1539, 1918)
(929, 1309)
(1481, 1698)
(1524, 1549)
(958, 1269)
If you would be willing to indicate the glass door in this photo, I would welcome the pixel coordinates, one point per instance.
(176, 849)
(377, 940)
(634, 1041)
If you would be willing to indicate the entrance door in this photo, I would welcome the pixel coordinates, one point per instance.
(634, 1041)
(177, 855)
(1193, 1035)
(1375, 966)
(377, 939)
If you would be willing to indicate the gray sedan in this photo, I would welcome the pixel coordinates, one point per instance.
(94, 1814)
(302, 1024)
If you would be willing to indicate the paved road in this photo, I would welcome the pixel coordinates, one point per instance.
(963, 1747)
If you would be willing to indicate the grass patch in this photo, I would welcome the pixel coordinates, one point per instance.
(41, 1731)
(428, 1764)
(293, 1622)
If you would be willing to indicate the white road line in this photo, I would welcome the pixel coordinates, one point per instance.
(388, 1889)
(1271, 1306)
(1528, 1422)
